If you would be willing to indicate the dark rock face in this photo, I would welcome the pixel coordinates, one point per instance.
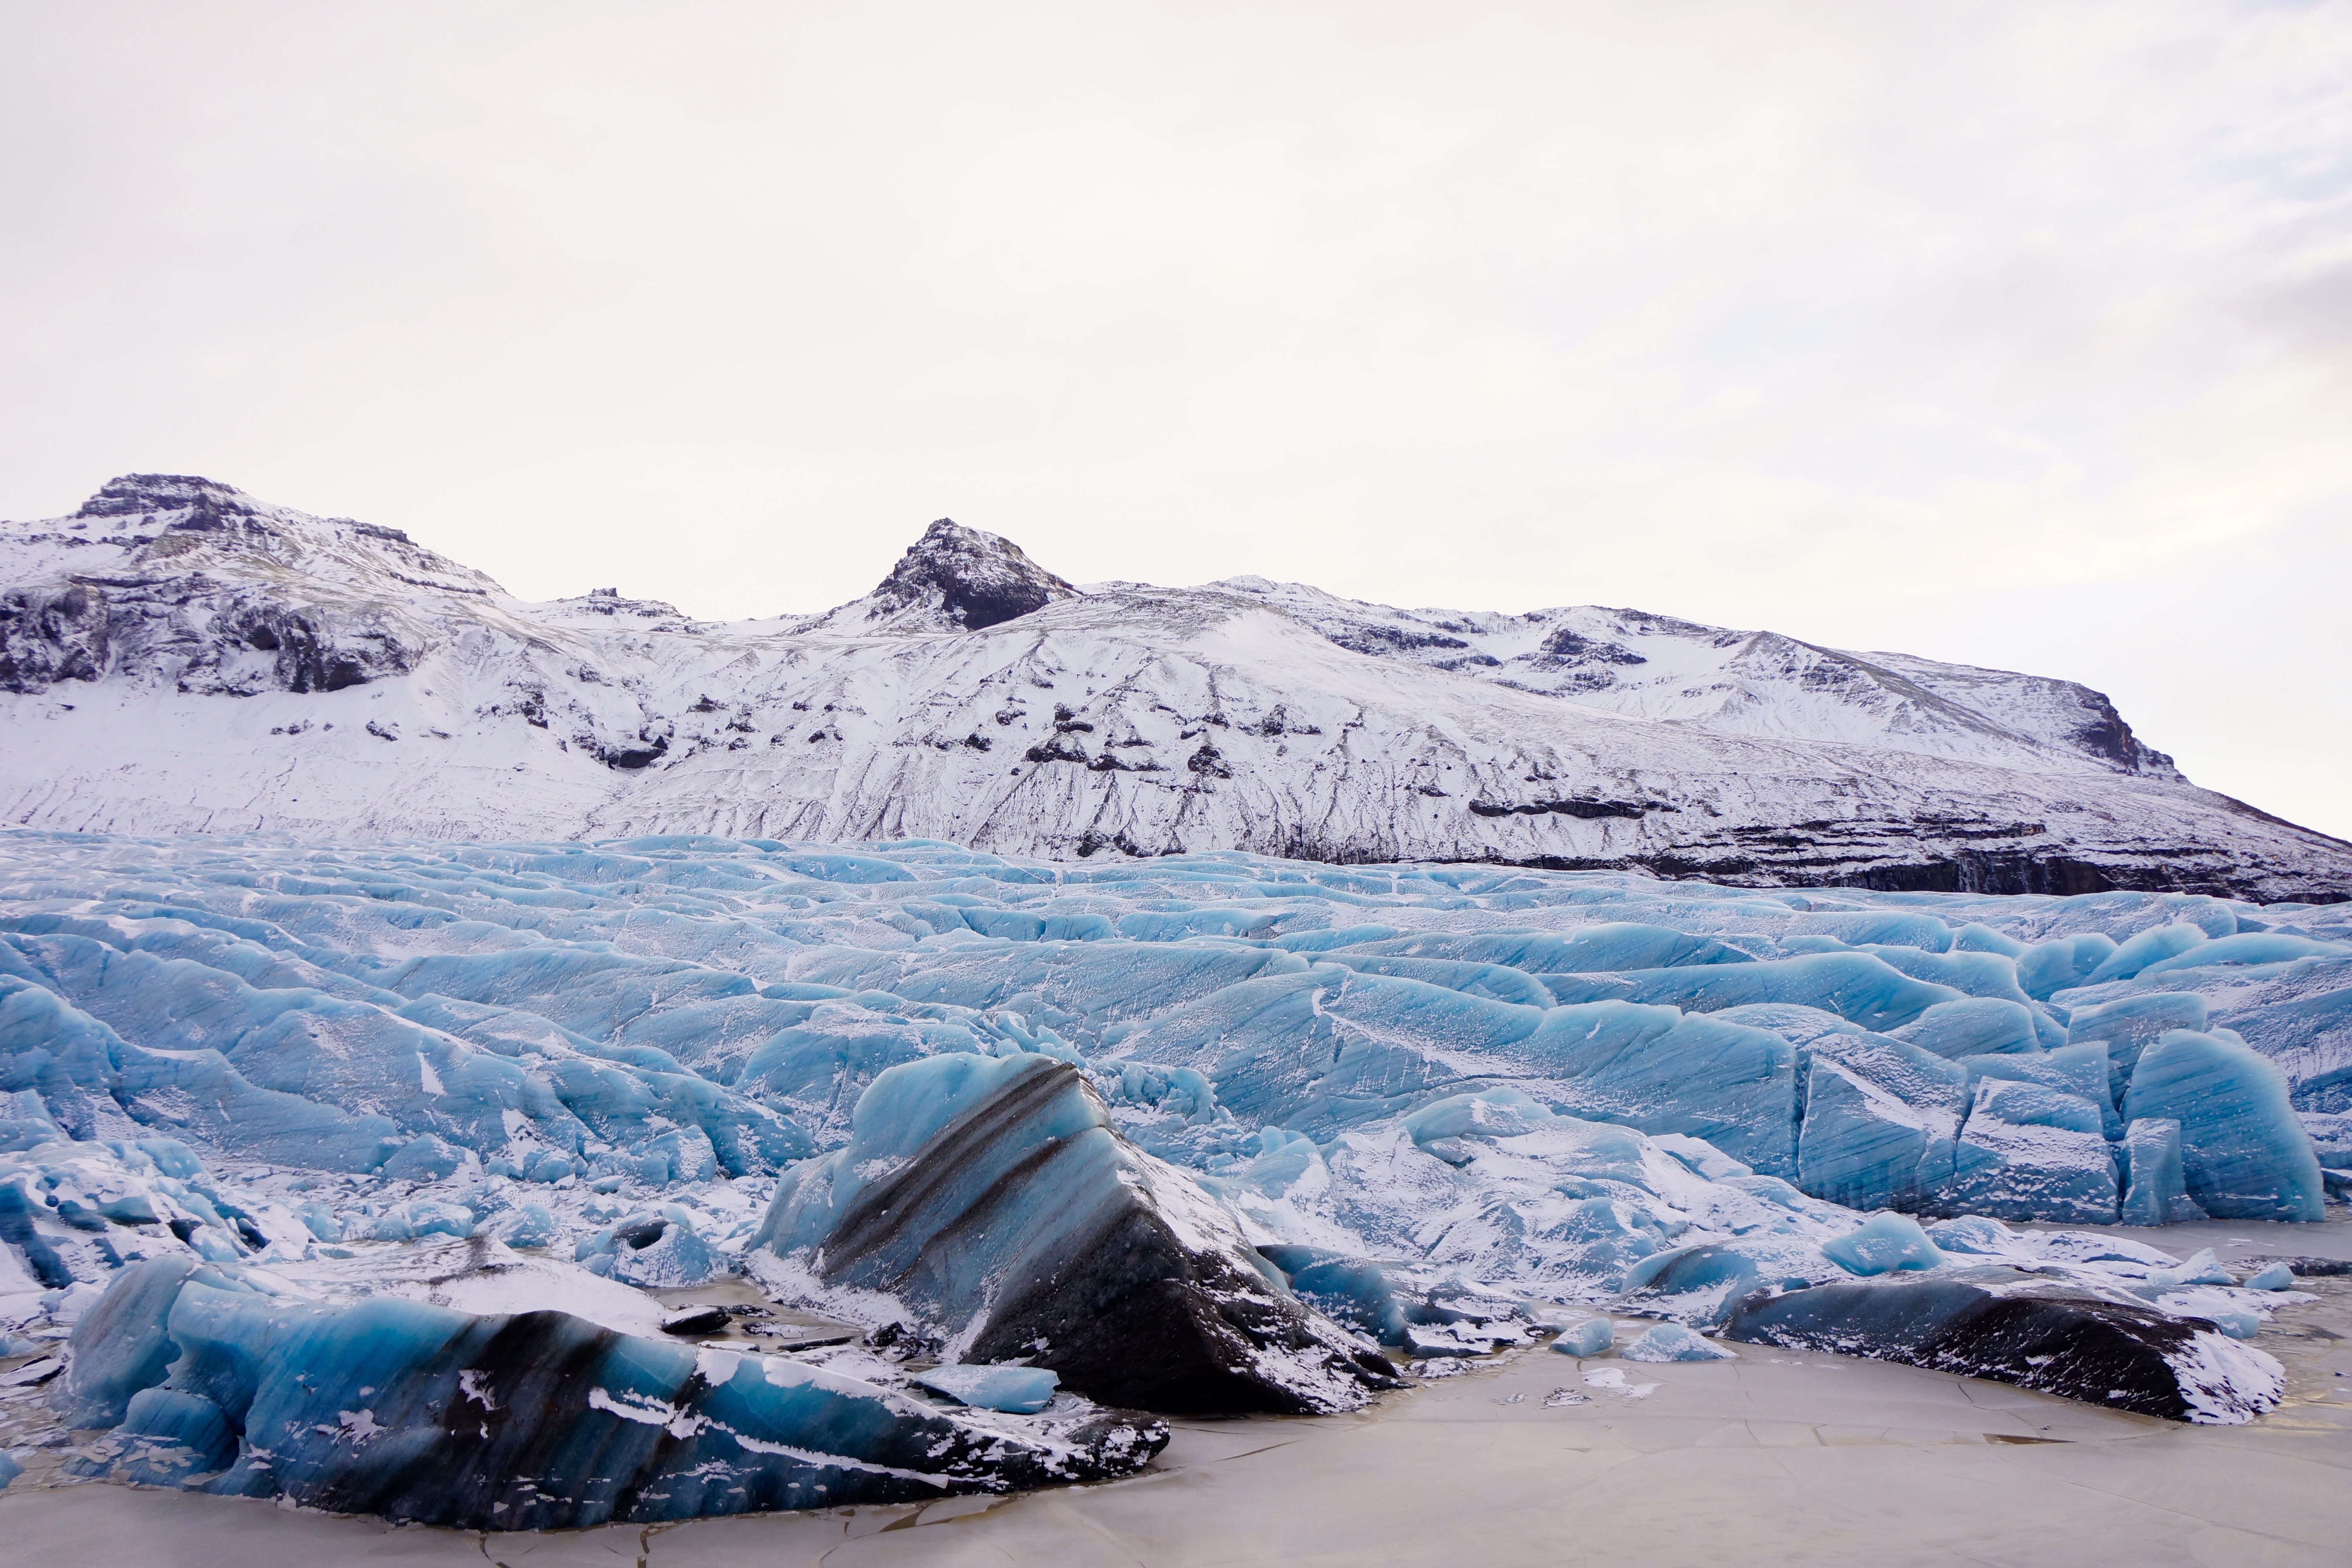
(1587, 810)
(133, 495)
(977, 580)
(51, 634)
(1997, 1323)
(1027, 1227)
(312, 653)
(1568, 646)
(1378, 640)
(154, 618)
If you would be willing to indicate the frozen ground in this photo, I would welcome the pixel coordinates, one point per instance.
(1772, 1459)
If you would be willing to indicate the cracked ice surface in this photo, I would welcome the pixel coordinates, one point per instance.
(317, 1064)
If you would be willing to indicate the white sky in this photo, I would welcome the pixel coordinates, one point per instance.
(2016, 334)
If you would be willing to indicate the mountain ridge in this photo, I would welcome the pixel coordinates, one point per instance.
(974, 696)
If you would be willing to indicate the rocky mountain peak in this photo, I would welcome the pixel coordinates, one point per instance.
(130, 495)
(973, 579)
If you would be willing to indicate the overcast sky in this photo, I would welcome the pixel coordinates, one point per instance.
(2014, 334)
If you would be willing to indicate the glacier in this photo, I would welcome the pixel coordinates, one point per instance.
(396, 1102)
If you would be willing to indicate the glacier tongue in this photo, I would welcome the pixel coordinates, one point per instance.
(421, 1089)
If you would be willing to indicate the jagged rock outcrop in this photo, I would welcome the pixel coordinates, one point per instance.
(959, 577)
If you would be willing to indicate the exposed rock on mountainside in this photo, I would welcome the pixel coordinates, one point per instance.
(178, 656)
(954, 579)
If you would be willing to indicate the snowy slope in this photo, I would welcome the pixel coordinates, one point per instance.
(180, 656)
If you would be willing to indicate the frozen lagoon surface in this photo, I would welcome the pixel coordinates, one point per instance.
(1455, 1106)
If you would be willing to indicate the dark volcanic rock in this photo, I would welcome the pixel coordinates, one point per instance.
(994, 1199)
(2010, 1327)
(47, 634)
(974, 579)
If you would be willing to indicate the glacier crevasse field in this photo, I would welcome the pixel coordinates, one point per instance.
(401, 1100)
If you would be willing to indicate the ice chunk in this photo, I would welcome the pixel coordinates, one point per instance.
(1589, 1338)
(2063, 964)
(2244, 1155)
(2275, 1277)
(427, 1159)
(531, 1225)
(2148, 947)
(1884, 1244)
(1702, 1157)
(2158, 1193)
(1986, 1320)
(1607, 947)
(970, 1187)
(122, 1344)
(1976, 937)
(544, 1421)
(2248, 948)
(1698, 1284)
(1859, 987)
(1645, 1067)
(1493, 1113)
(1881, 1121)
(2202, 1267)
(2129, 1024)
(1673, 1342)
(2030, 1151)
(25, 1122)
(2081, 1070)
(1351, 1290)
(656, 1249)
(1017, 1390)
(1972, 1234)
(1975, 1026)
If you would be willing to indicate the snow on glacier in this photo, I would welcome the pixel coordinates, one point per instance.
(1433, 1097)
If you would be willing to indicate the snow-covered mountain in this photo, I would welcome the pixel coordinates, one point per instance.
(178, 656)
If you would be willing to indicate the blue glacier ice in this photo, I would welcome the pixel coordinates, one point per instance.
(1016, 1390)
(540, 1420)
(1884, 1244)
(2244, 1155)
(1364, 1089)
(1675, 1342)
(1882, 1122)
(1592, 1337)
(1701, 1283)
(2157, 1185)
(2030, 1151)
